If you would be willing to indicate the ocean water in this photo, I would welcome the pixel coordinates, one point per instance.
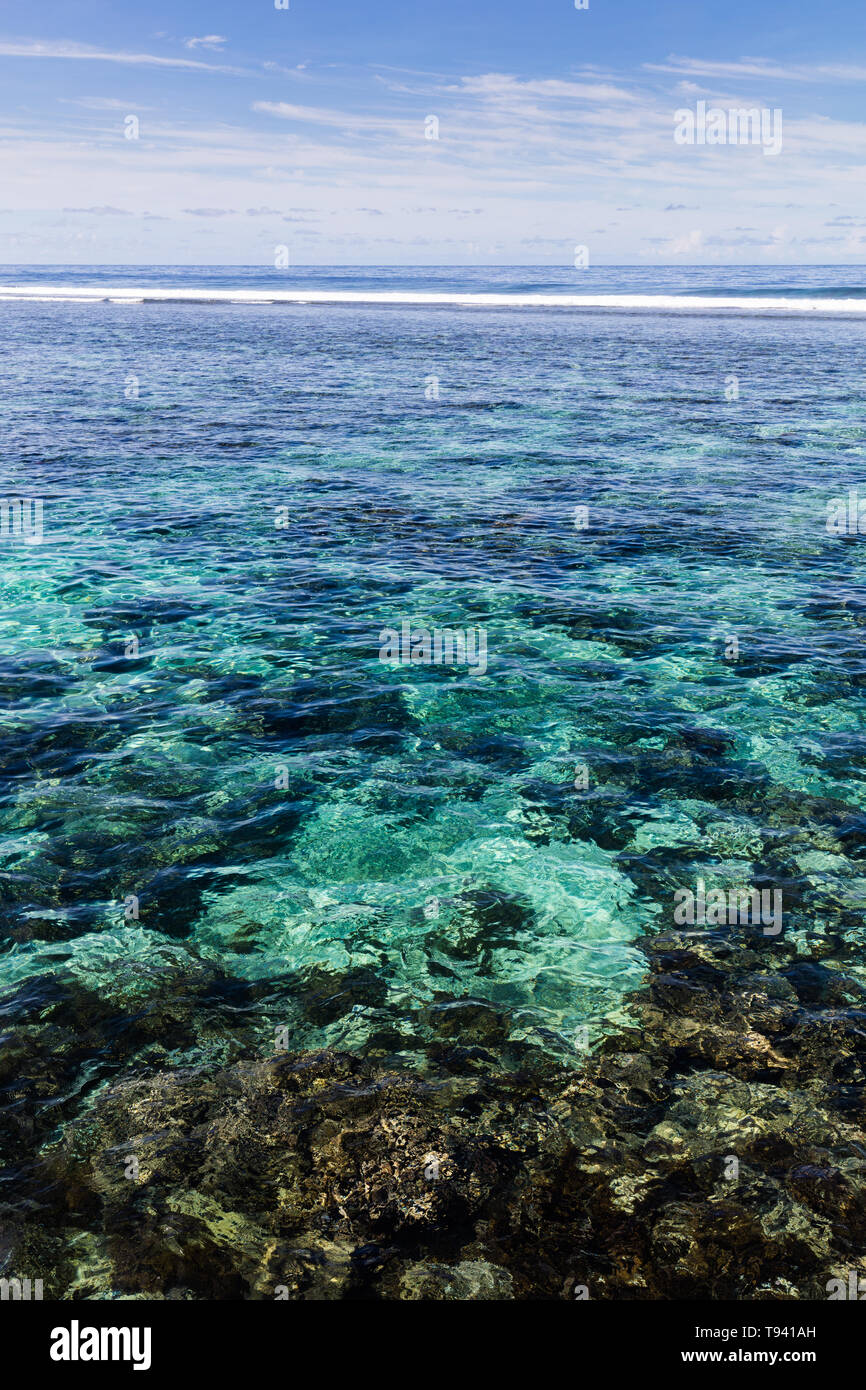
(213, 787)
(740, 281)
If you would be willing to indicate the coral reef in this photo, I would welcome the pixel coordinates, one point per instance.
(713, 1150)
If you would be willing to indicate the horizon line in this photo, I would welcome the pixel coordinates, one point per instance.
(438, 265)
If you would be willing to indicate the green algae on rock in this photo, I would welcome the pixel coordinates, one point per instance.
(324, 1176)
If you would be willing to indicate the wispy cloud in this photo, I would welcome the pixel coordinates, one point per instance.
(82, 52)
(347, 121)
(544, 160)
(760, 68)
(102, 103)
(500, 86)
(206, 41)
(105, 211)
(211, 212)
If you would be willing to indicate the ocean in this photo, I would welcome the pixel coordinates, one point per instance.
(236, 822)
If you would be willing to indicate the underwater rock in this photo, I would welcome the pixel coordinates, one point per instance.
(312, 709)
(471, 1280)
(711, 1151)
(477, 921)
(326, 995)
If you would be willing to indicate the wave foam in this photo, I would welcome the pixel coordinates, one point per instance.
(655, 303)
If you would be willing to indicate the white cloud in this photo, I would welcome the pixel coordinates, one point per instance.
(686, 245)
(210, 212)
(760, 68)
(105, 211)
(346, 121)
(501, 86)
(206, 41)
(102, 103)
(540, 163)
(62, 48)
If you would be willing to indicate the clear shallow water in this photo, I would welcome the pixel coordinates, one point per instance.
(154, 775)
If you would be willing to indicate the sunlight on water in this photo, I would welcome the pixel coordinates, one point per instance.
(206, 760)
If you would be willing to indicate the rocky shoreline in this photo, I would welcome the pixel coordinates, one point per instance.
(713, 1150)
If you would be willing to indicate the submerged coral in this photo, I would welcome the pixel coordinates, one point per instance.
(713, 1150)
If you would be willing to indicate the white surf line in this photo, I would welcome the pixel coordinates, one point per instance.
(493, 300)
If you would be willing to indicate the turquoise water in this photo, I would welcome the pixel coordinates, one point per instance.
(280, 807)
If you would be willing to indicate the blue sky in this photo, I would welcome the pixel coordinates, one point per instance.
(307, 127)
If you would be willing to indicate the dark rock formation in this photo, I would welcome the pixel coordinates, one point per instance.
(714, 1150)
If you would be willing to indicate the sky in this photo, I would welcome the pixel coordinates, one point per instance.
(215, 133)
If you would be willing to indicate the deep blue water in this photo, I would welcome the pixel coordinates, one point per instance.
(820, 281)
